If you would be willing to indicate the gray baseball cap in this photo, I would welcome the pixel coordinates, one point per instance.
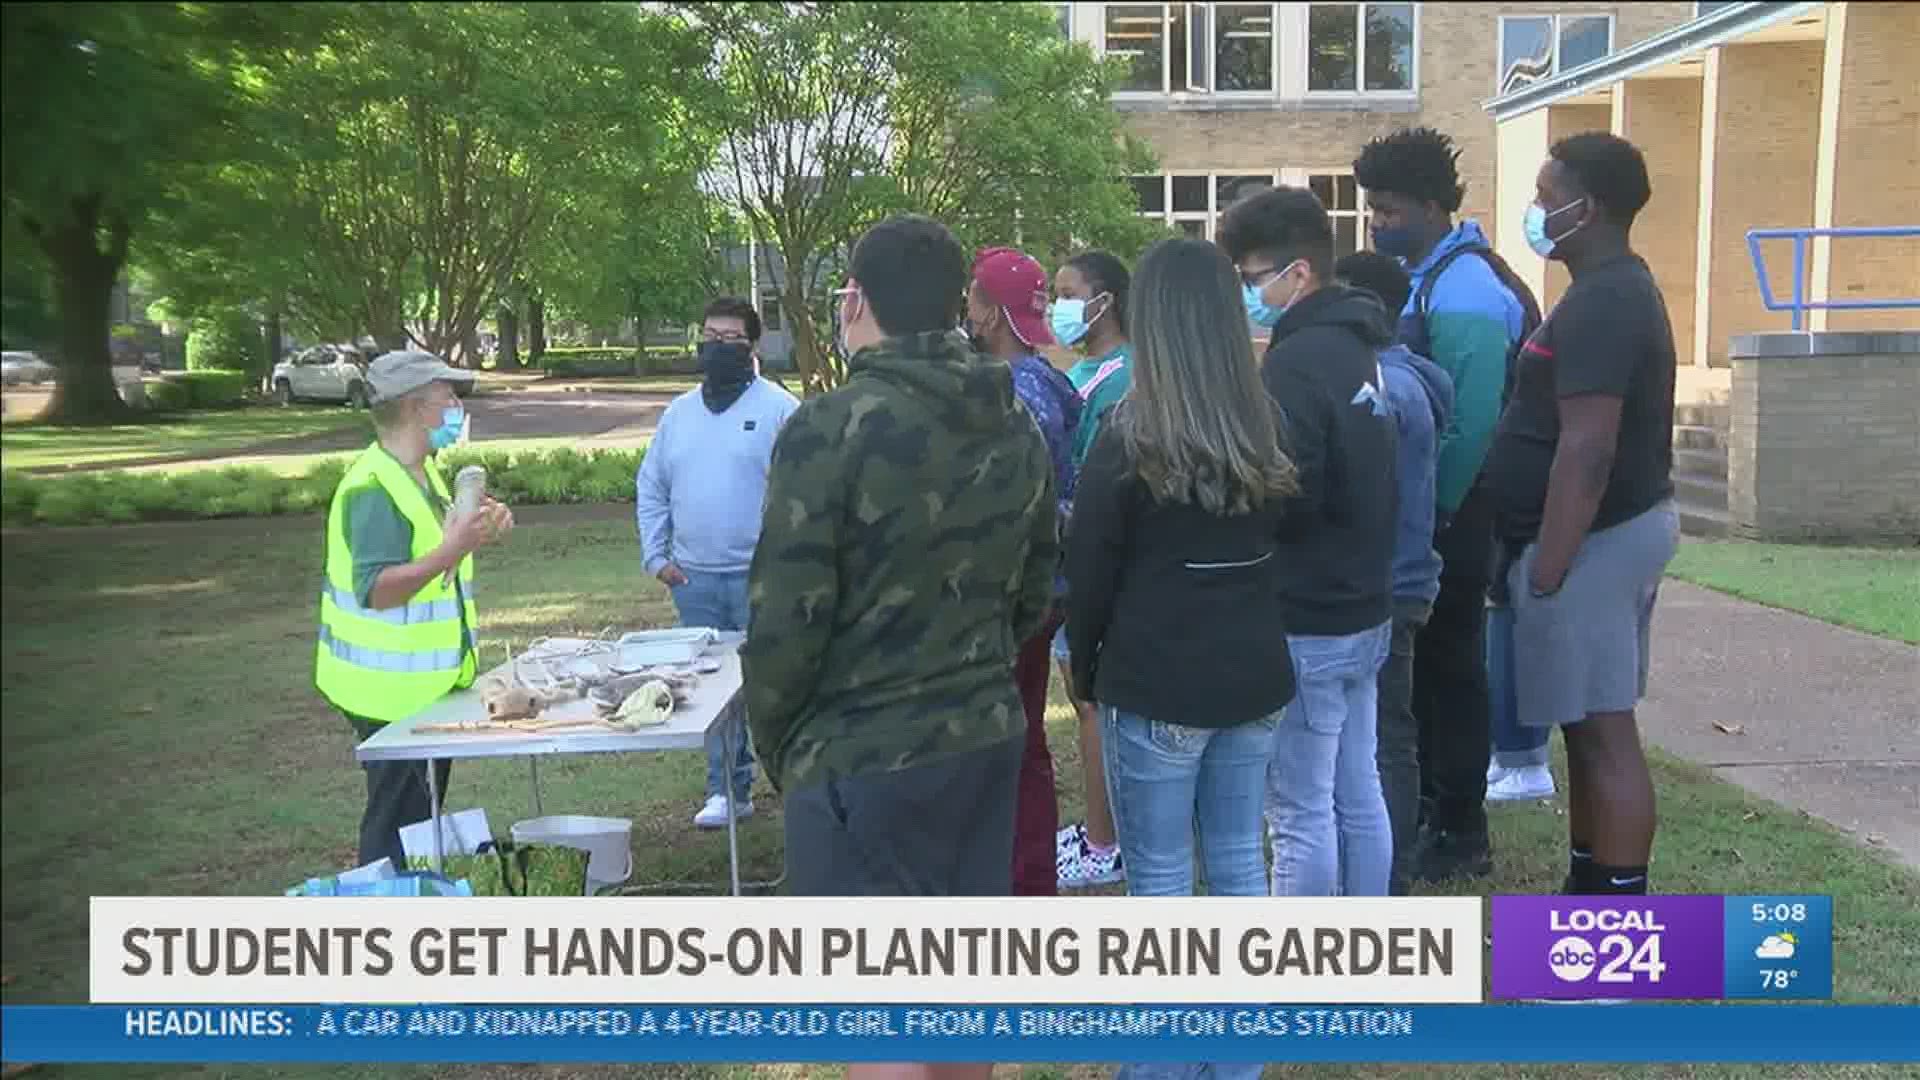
(395, 373)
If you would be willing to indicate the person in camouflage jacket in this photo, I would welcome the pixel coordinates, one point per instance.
(909, 544)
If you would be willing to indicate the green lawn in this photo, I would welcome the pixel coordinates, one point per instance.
(1871, 589)
(298, 464)
(160, 736)
(26, 446)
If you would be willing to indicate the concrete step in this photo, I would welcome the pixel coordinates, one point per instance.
(1705, 463)
(1704, 491)
(1697, 437)
(1704, 521)
(1718, 415)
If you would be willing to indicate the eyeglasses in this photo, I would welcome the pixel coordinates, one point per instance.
(1259, 277)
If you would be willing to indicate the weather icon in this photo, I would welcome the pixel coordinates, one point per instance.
(1777, 947)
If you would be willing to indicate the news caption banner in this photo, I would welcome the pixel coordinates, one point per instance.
(801, 979)
(1570, 948)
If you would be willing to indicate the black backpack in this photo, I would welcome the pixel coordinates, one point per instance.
(1415, 337)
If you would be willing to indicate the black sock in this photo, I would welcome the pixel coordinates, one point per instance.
(1617, 880)
(1579, 859)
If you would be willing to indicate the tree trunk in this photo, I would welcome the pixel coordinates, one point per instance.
(83, 278)
(509, 320)
(273, 338)
(536, 329)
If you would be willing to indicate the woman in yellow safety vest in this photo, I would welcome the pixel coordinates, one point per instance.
(396, 609)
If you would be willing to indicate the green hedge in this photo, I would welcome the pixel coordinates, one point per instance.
(199, 390)
(653, 360)
(529, 478)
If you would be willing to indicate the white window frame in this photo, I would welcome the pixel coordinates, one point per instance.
(1299, 177)
(1275, 12)
(1070, 18)
(1360, 92)
(1553, 42)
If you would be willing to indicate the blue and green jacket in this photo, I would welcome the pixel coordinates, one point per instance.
(1472, 322)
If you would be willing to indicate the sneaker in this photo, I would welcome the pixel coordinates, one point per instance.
(1454, 854)
(1068, 840)
(1519, 785)
(713, 815)
(1083, 868)
(1495, 771)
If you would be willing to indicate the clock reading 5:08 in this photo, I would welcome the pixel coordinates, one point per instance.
(1779, 913)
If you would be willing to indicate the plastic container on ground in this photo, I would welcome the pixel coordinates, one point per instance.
(608, 843)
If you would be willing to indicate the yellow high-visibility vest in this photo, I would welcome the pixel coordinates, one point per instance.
(387, 664)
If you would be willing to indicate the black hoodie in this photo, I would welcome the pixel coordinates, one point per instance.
(1323, 369)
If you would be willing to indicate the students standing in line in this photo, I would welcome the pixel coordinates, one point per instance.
(1325, 811)
(1581, 474)
(1172, 553)
(1467, 313)
(1007, 320)
(1421, 397)
(1089, 314)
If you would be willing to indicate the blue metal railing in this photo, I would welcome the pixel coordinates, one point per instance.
(1798, 302)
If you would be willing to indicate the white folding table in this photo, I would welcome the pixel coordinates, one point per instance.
(713, 703)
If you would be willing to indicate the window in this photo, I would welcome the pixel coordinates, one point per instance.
(1360, 49)
(1194, 48)
(1065, 14)
(1195, 202)
(770, 313)
(1535, 47)
(1338, 193)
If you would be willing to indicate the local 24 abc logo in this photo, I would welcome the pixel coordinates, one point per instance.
(1598, 948)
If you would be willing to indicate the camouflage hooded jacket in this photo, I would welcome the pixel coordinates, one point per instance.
(908, 549)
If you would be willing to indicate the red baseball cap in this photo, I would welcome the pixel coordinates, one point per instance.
(1013, 280)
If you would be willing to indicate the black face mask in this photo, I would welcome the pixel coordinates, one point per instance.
(726, 368)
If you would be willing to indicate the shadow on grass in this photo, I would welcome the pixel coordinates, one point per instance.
(160, 736)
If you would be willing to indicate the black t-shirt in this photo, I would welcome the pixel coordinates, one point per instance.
(1609, 334)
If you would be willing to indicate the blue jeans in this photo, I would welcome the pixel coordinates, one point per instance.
(1515, 745)
(1325, 810)
(719, 602)
(1168, 782)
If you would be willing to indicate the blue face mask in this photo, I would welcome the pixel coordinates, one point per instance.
(1535, 227)
(1262, 313)
(1397, 241)
(453, 423)
(1068, 320)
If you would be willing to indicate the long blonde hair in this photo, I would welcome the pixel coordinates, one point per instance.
(1199, 425)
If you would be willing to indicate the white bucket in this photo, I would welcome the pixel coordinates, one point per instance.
(607, 842)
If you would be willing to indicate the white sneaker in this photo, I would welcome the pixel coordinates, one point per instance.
(1068, 840)
(713, 815)
(1083, 868)
(1495, 771)
(1522, 784)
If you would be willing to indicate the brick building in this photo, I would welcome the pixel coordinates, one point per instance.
(1234, 96)
(1796, 116)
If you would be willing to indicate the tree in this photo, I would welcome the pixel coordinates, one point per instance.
(975, 113)
(108, 109)
(410, 161)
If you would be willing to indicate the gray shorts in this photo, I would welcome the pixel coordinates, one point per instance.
(940, 829)
(1586, 649)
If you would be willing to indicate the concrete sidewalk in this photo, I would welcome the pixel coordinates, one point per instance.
(1808, 714)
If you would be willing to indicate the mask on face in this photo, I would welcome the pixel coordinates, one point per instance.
(1068, 320)
(1262, 313)
(1397, 241)
(1535, 226)
(726, 369)
(453, 423)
